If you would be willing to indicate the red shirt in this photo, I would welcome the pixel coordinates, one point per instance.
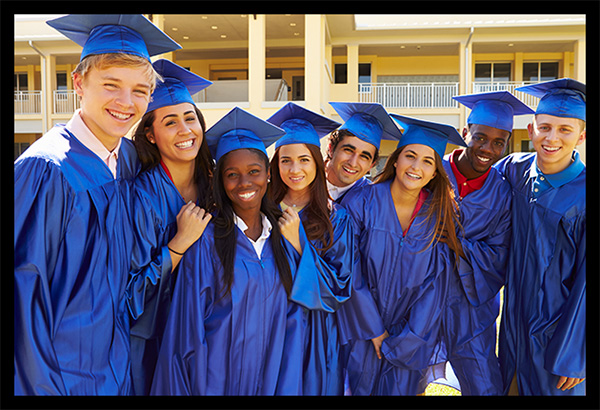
(422, 197)
(465, 186)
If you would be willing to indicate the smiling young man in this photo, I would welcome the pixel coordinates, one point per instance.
(469, 323)
(73, 232)
(354, 148)
(542, 347)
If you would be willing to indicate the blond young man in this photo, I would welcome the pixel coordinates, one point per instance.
(73, 234)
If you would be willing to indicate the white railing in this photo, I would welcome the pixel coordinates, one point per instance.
(28, 102)
(65, 101)
(409, 95)
(509, 86)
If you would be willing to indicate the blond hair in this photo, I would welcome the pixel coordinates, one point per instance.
(103, 61)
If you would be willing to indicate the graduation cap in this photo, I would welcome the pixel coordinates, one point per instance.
(114, 33)
(564, 97)
(368, 121)
(432, 134)
(240, 129)
(301, 126)
(177, 87)
(494, 109)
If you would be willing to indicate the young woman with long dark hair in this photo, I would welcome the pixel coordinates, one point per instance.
(406, 223)
(237, 319)
(298, 181)
(173, 199)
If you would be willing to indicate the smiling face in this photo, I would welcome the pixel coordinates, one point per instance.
(415, 167)
(352, 159)
(113, 99)
(297, 167)
(554, 139)
(485, 146)
(177, 133)
(245, 178)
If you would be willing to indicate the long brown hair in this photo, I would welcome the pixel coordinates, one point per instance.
(443, 209)
(203, 164)
(315, 218)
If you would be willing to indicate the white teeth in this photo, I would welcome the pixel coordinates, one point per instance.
(410, 174)
(248, 195)
(483, 159)
(296, 179)
(119, 115)
(551, 149)
(349, 170)
(185, 144)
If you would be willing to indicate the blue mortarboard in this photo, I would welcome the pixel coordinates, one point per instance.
(177, 87)
(432, 134)
(494, 109)
(114, 33)
(301, 126)
(240, 129)
(564, 97)
(368, 121)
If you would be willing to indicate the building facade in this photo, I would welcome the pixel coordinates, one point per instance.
(412, 64)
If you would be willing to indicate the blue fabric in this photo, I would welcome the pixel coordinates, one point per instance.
(357, 185)
(495, 109)
(473, 301)
(408, 286)
(368, 121)
(543, 328)
(432, 134)
(564, 97)
(323, 365)
(251, 341)
(543, 182)
(301, 126)
(157, 203)
(114, 33)
(72, 246)
(241, 129)
(177, 87)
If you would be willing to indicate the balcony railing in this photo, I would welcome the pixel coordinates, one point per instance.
(28, 102)
(510, 86)
(410, 95)
(65, 101)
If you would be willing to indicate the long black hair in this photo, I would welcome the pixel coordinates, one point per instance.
(225, 232)
(203, 164)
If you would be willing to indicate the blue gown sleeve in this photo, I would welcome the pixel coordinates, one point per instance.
(323, 283)
(181, 368)
(151, 261)
(482, 274)
(566, 351)
(359, 318)
(41, 204)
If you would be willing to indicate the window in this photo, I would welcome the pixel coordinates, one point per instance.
(492, 72)
(538, 71)
(341, 73)
(21, 82)
(61, 81)
(20, 147)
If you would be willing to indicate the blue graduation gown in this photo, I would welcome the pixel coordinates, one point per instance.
(157, 203)
(323, 366)
(72, 244)
(408, 284)
(473, 302)
(357, 185)
(542, 333)
(251, 341)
